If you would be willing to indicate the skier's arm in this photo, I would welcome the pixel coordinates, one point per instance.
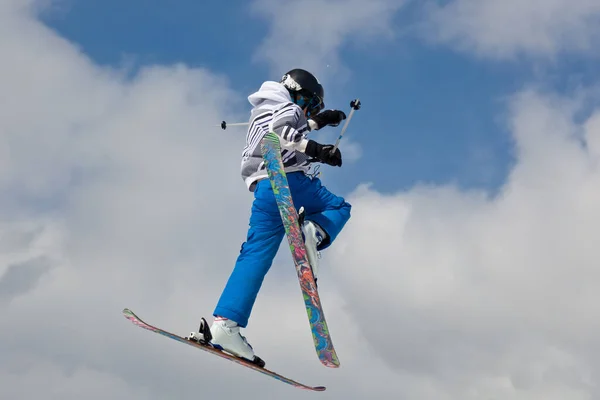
(291, 126)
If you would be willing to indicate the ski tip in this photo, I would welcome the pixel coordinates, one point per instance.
(127, 313)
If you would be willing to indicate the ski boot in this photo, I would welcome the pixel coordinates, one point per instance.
(313, 236)
(225, 336)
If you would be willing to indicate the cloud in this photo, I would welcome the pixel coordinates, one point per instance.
(488, 297)
(311, 34)
(506, 29)
(20, 278)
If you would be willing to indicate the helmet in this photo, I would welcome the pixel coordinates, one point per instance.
(305, 89)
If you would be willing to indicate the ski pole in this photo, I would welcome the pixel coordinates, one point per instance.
(224, 124)
(355, 104)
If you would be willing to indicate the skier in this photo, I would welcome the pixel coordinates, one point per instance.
(291, 108)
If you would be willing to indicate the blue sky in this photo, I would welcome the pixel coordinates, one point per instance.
(429, 114)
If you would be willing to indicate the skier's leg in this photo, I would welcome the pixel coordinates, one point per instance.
(254, 261)
(328, 211)
(324, 216)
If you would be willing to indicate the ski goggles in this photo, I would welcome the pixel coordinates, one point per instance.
(314, 104)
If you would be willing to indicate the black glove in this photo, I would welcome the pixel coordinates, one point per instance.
(329, 117)
(322, 152)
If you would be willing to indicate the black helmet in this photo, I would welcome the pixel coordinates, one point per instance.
(305, 89)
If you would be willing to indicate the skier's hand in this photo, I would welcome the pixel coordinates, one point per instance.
(323, 153)
(329, 117)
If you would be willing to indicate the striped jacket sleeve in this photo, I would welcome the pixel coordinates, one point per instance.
(290, 124)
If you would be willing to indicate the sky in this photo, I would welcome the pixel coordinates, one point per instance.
(467, 271)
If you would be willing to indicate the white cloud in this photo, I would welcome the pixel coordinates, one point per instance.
(310, 34)
(489, 297)
(505, 29)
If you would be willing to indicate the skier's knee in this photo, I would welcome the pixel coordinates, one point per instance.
(346, 209)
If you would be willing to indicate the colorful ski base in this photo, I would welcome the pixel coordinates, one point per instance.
(271, 149)
(137, 321)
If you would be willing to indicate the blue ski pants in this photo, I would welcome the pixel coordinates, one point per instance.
(266, 233)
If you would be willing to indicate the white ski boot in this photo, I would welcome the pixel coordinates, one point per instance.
(226, 336)
(313, 236)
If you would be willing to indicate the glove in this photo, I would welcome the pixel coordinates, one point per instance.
(329, 117)
(323, 153)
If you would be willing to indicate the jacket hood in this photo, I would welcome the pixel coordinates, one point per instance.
(270, 93)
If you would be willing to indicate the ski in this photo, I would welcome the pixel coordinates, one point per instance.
(271, 150)
(210, 349)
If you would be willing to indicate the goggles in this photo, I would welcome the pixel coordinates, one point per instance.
(313, 104)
